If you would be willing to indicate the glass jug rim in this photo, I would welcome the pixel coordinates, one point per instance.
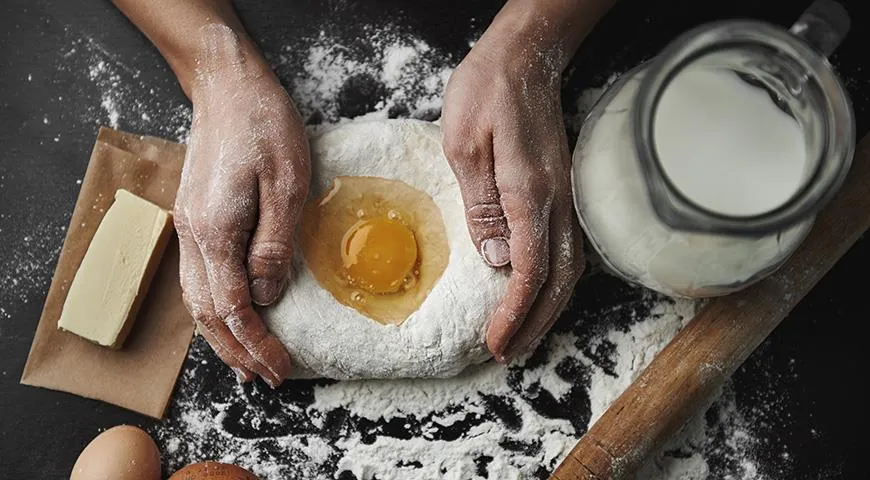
(681, 212)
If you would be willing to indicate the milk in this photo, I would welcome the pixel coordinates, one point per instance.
(726, 145)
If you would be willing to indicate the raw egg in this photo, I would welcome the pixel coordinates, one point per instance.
(377, 245)
(120, 453)
(212, 471)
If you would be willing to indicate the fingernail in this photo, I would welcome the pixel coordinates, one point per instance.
(241, 376)
(512, 351)
(521, 349)
(502, 359)
(496, 251)
(273, 384)
(536, 343)
(264, 292)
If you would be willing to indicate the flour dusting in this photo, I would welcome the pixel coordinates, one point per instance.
(123, 99)
(488, 422)
(26, 272)
(387, 74)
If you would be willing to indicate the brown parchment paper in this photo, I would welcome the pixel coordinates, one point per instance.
(142, 375)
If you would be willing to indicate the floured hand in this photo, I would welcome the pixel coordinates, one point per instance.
(245, 178)
(505, 140)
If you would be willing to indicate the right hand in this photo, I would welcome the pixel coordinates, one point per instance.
(245, 178)
(505, 140)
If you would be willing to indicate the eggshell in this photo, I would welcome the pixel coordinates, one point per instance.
(120, 453)
(212, 471)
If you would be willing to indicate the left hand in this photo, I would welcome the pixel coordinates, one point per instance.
(505, 140)
(244, 181)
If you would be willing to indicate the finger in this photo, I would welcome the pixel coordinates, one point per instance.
(197, 299)
(470, 156)
(223, 255)
(270, 254)
(247, 326)
(243, 374)
(566, 266)
(527, 209)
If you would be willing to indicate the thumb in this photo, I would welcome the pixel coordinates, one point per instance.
(270, 252)
(473, 166)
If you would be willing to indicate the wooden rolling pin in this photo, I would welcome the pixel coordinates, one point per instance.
(685, 376)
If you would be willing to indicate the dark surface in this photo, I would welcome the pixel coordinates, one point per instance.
(813, 363)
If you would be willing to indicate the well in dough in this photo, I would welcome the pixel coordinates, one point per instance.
(378, 245)
(446, 334)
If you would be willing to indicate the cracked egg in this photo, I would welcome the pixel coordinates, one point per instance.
(377, 245)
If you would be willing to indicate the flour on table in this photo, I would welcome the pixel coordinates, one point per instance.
(387, 74)
(488, 422)
(585, 102)
(330, 79)
(25, 272)
(122, 98)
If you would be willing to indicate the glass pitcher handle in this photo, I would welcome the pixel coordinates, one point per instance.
(823, 25)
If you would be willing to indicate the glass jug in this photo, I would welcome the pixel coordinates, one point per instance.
(700, 171)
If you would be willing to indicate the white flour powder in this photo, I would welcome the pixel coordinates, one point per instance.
(391, 75)
(123, 99)
(491, 421)
(443, 336)
(26, 272)
(330, 79)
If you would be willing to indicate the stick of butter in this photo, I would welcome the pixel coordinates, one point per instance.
(113, 278)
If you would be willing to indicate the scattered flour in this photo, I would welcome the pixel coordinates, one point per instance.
(489, 422)
(25, 272)
(388, 74)
(124, 99)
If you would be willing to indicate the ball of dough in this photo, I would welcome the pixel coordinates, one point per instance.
(446, 334)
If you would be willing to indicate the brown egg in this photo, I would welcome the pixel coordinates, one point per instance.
(212, 471)
(377, 245)
(120, 453)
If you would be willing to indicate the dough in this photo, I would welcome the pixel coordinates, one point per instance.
(446, 334)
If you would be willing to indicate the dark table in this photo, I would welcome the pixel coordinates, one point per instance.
(49, 112)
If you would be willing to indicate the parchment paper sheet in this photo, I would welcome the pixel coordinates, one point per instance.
(142, 375)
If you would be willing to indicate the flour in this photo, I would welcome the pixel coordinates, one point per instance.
(488, 422)
(635, 349)
(445, 334)
(388, 74)
(123, 98)
(385, 75)
(26, 272)
(586, 101)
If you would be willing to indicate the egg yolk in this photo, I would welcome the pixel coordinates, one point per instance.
(376, 245)
(379, 255)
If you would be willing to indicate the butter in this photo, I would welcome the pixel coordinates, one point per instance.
(114, 275)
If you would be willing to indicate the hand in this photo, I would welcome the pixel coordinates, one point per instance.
(505, 140)
(245, 178)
